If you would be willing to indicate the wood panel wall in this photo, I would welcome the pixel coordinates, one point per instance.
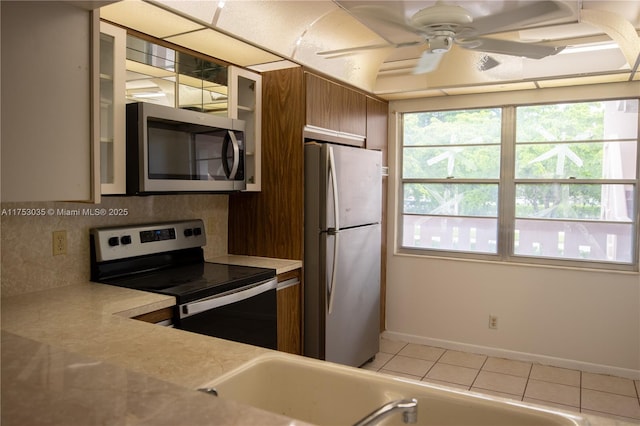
(270, 223)
(377, 125)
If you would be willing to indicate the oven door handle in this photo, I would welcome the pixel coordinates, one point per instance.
(243, 293)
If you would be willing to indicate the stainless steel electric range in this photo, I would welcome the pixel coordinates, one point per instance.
(227, 301)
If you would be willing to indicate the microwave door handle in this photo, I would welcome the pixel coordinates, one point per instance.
(236, 155)
(196, 307)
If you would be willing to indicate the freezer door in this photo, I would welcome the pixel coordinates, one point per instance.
(358, 177)
(352, 321)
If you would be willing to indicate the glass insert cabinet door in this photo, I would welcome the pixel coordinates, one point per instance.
(164, 76)
(112, 109)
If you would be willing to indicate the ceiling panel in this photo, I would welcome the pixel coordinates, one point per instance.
(147, 19)
(276, 25)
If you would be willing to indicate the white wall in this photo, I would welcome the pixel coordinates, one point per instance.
(573, 318)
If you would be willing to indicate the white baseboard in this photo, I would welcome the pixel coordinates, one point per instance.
(520, 356)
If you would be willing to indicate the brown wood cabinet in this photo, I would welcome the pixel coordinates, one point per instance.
(353, 117)
(290, 312)
(323, 103)
(165, 314)
(377, 119)
(377, 129)
(335, 107)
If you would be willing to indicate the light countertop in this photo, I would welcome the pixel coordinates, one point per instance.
(280, 265)
(72, 355)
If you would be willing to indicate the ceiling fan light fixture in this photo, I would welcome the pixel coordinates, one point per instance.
(441, 14)
(440, 44)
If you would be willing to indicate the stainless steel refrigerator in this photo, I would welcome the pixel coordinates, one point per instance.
(342, 253)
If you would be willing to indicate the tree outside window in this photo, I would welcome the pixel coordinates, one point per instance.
(566, 189)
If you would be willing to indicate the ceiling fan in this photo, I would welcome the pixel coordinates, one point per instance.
(441, 25)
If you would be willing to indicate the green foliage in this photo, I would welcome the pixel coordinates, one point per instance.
(452, 127)
(560, 122)
(561, 141)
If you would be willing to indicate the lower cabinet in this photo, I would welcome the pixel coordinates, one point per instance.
(161, 317)
(290, 312)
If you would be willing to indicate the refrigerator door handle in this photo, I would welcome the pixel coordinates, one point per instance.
(334, 187)
(331, 288)
(335, 231)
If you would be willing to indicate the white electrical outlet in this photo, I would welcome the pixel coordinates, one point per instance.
(493, 322)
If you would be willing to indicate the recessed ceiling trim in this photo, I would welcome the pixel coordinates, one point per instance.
(572, 80)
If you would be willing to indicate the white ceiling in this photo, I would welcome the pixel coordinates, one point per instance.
(271, 34)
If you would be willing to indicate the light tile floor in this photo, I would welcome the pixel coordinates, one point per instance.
(571, 390)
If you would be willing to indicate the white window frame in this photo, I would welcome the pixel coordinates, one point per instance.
(506, 212)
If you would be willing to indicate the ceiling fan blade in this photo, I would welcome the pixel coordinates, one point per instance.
(428, 62)
(486, 63)
(528, 14)
(514, 48)
(353, 50)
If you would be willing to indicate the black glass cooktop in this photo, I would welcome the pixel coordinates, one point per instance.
(196, 281)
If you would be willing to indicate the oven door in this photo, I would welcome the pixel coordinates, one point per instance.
(246, 315)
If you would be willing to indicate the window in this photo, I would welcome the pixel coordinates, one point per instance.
(451, 175)
(550, 183)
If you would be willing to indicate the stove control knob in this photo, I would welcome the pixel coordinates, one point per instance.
(113, 241)
(125, 239)
(188, 232)
(197, 231)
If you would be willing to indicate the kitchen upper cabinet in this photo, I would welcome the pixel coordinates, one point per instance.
(245, 103)
(324, 103)
(50, 99)
(113, 42)
(337, 109)
(377, 117)
(353, 118)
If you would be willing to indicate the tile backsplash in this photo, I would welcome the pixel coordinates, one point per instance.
(27, 262)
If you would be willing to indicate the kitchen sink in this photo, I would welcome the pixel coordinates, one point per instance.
(324, 393)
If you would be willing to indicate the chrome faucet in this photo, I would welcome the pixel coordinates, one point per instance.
(409, 408)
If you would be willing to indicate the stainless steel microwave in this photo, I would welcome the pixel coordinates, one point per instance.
(177, 150)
